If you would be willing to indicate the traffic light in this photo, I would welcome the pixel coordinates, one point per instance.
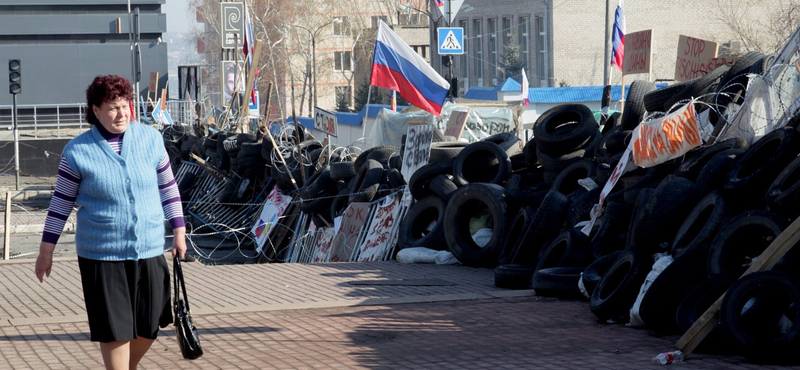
(14, 76)
(454, 87)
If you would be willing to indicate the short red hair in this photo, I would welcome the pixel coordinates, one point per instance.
(104, 89)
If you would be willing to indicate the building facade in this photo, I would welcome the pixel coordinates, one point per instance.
(63, 44)
(564, 43)
(491, 25)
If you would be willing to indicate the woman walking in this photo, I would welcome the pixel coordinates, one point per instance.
(118, 176)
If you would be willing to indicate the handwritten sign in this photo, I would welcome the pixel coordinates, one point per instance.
(696, 57)
(345, 239)
(325, 121)
(456, 123)
(323, 241)
(417, 150)
(638, 52)
(380, 232)
(274, 207)
(657, 141)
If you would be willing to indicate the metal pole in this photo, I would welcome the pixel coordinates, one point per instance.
(547, 73)
(7, 234)
(16, 139)
(314, 66)
(130, 40)
(606, 47)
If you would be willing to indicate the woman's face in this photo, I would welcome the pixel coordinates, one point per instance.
(114, 115)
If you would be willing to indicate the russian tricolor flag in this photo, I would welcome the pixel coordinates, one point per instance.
(618, 38)
(396, 66)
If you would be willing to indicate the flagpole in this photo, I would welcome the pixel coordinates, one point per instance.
(607, 51)
(366, 113)
(622, 97)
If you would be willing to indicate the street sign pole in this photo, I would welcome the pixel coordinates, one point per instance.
(16, 140)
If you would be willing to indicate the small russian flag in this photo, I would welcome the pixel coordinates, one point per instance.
(618, 38)
(439, 3)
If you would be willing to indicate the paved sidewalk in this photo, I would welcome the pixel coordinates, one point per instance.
(381, 315)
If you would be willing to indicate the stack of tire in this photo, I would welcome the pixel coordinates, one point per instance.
(460, 191)
(321, 189)
(542, 250)
(179, 141)
(712, 211)
(244, 152)
(283, 158)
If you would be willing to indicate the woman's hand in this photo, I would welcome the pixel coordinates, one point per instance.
(45, 260)
(179, 242)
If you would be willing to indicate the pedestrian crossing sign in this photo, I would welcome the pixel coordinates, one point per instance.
(451, 40)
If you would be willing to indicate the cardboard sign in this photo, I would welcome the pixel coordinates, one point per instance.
(353, 220)
(381, 229)
(638, 52)
(418, 149)
(153, 86)
(323, 242)
(657, 141)
(326, 122)
(456, 122)
(274, 207)
(696, 57)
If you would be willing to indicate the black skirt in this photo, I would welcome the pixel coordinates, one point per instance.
(126, 299)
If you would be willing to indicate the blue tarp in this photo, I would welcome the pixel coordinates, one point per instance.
(549, 94)
(346, 118)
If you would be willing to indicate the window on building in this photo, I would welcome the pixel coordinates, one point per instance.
(477, 48)
(412, 18)
(542, 63)
(422, 50)
(343, 93)
(524, 45)
(341, 26)
(507, 30)
(342, 61)
(376, 18)
(463, 59)
(491, 33)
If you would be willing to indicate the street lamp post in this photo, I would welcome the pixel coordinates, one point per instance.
(313, 35)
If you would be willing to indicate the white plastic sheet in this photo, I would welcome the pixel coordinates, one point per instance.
(662, 261)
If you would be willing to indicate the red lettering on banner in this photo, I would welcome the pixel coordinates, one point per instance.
(692, 131)
(639, 62)
(694, 47)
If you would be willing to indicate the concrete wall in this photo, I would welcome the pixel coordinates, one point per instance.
(38, 158)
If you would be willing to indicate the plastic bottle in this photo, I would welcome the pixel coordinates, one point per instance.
(667, 358)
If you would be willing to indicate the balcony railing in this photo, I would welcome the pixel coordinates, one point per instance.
(68, 120)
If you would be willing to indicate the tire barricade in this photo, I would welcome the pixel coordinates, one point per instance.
(517, 207)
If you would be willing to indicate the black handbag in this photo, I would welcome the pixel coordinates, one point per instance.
(188, 339)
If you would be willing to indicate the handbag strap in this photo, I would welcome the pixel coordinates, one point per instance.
(178, 277)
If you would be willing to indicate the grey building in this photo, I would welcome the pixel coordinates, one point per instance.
(64, 44)
(488, 27)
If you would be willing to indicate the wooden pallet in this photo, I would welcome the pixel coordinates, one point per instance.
(774, 252)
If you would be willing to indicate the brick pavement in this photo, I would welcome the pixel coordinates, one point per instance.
(293, 316)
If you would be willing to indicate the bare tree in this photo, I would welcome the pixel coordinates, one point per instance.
(761, 25)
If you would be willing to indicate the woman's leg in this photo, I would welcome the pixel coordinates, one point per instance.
(116, 355)
(124, 355)
(139, 347)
